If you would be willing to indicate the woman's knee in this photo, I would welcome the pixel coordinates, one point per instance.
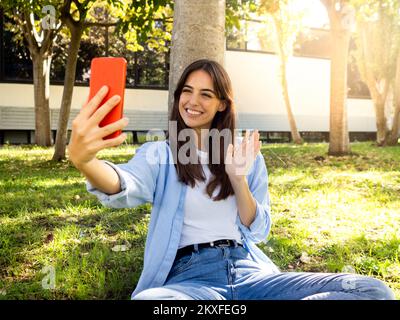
(161, 293)
(373, 288)
(379, 290)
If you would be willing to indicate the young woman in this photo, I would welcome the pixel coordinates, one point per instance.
(207, 215)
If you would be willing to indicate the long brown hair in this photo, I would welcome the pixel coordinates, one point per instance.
(189, 173)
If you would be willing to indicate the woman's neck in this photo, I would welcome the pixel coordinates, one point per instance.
(201, 141)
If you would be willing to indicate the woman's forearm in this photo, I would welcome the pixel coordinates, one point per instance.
(245, 201)
(101, 176)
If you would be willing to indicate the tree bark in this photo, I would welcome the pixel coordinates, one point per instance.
(40, 49)
(285, 88)
(378, 84)
(41, 85)
(198, 32)
(340, 40)
(381, 122)
(394, 134)
(339, 136)
(69, 81)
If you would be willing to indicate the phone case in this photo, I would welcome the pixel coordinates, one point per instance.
(109, 71)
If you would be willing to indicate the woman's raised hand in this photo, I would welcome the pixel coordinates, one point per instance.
(87, 136)
(240, 158)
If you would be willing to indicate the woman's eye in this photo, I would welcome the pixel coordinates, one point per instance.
(207, 95)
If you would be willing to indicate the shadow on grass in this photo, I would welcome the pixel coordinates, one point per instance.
(369, 257)
(80, 251)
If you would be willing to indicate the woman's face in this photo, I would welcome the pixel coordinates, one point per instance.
(198, 102)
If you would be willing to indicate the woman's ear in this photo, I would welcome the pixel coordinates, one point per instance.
(222, 106)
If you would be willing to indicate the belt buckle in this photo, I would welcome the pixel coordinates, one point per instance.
(226, 244)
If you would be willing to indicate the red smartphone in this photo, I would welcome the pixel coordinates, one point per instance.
(111, 72)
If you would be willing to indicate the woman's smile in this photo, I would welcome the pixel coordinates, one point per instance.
(193, 113)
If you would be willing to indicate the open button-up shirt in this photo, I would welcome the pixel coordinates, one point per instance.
(150, 177)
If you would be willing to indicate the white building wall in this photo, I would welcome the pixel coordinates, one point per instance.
(256, 83)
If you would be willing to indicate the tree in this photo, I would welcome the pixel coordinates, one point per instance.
(198, 32)
(39, 34)
(287, 26)
(134, 18)
(395, 133)
(340, 17)
(378, 44)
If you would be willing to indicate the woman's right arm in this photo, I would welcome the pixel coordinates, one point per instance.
(87, 140)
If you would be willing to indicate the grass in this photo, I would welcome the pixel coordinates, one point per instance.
(330, 214)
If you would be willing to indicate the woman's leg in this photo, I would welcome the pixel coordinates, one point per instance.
(180, 291)
(161, 293)
(311, 286)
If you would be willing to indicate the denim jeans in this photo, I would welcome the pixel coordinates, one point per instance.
(228, 273)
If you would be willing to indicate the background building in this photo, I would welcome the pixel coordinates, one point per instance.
(251, 63)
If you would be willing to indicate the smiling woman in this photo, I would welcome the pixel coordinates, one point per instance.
(206, 218)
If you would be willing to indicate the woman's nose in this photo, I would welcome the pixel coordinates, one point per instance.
(194, 99)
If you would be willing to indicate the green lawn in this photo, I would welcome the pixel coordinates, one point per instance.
(329, 215)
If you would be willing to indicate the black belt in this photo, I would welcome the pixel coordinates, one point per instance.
(218, 243)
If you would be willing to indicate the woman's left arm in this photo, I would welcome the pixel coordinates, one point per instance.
(245, 201)
(251, 196)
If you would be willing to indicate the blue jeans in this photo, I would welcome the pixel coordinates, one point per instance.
(228, 273)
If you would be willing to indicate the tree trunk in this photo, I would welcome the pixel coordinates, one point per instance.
(394, 134)
(41, 83)
(69, 81)
(292, 122)
(198, 32)
(285, 88)
(374, 63)
(338, 136)
(381, 122)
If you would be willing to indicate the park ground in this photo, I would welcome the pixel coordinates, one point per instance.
(330, 214)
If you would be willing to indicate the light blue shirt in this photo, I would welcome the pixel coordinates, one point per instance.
(150, 177)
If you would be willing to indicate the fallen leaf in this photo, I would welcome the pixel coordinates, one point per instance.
(120, 247)
(305, 258)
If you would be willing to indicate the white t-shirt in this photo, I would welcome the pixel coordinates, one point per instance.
(206, 220)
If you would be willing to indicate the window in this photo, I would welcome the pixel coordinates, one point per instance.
(146, 69)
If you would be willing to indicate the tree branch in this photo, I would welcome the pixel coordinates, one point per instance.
(39, 38)
(27, 31)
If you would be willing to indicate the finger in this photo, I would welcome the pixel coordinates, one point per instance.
(257, 147)
(229, 154)
(89, 107)
(115, 141)
(105, 109)
(256, 137)
(111, 128)
(245, 140)
(247, 135)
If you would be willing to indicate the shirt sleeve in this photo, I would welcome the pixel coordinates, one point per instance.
(138, 179)
(258, 185)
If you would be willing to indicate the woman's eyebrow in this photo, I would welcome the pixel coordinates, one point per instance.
(212, 91)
